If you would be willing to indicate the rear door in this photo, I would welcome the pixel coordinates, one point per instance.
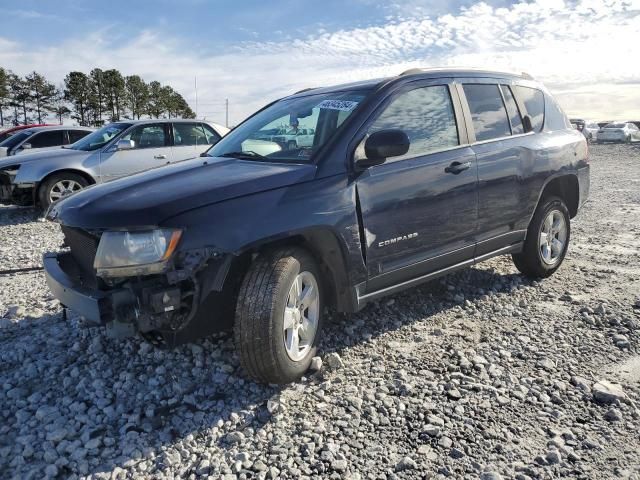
(419, 214)
(504, 157)
(151, 149)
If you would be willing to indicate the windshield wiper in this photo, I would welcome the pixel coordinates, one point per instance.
(250, 154)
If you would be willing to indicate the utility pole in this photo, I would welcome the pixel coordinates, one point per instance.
(226, 109)
(195, 79)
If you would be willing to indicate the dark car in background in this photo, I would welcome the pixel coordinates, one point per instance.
(407, 178)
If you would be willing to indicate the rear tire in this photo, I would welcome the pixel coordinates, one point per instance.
(58, 186)
(547, 239)
(278, 324)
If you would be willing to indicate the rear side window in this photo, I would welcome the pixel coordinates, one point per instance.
(211, 134)
(47, 139)
(75, 135)
(187, 134)
(533, 101)
(512, 110)
(488, 112)
(426, 116)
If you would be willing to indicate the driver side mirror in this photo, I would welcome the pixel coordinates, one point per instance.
(382, 145)
(526, 123)
(125, 145)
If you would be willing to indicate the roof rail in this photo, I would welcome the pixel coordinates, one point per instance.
(305, 90)
(415, 71)
(412, 71)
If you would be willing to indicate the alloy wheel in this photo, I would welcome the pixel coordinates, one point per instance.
(553, 237)
(301, 315)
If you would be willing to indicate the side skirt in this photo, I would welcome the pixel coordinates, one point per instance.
(366, 298)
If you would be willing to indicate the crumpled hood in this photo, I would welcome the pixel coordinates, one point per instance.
(149, 198)
(35, 156)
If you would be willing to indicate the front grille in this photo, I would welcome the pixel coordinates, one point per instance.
(83, 247)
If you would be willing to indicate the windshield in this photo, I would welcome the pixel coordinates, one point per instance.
(290, 130)
(100, 138)
(14, 140)
(615, 125)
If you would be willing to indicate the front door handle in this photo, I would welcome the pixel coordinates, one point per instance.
(457, 167)
(160, 157)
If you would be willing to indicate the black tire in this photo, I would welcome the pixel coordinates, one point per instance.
(530, 261)
(259, 321)
(629, 139)
(45, 188)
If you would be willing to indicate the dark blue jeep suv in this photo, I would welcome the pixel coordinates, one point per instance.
(331, 197)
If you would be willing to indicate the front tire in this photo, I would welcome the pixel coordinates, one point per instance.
(58, 186)
(547, 239)
(279, 316)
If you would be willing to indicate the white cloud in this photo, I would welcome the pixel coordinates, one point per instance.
(582, 49)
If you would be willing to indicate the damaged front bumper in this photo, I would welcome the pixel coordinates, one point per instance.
(168, 304)
(15, 194)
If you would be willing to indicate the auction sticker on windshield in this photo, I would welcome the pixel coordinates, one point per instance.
(342, 105)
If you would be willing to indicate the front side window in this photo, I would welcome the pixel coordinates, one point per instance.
(186, 134)
(274, 133)
(147, 136)
(53, 138)
(533, 101)
(426, 115)
(515, 118)
(488, 112)
(100, 138)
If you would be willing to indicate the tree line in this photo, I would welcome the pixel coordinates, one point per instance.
(93, 99)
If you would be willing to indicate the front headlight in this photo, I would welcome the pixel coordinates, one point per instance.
(11, 170)
(125, 254)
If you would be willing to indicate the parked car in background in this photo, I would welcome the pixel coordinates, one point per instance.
(407, 179)
(619, 132)
(588, 128)
(35, 139)
(604, 124)
(6, 133)
(298, 137)
(114, 151)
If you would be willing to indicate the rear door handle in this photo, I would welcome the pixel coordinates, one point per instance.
(457, 167)
(160, 157)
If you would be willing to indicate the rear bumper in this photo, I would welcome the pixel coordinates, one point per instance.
(65, 284)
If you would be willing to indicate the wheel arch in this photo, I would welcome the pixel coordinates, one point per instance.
(567, 187)
(85, 175)
(325, 247)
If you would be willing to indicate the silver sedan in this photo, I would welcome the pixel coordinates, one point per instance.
(114, 151)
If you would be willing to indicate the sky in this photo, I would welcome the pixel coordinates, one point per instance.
(251, 52)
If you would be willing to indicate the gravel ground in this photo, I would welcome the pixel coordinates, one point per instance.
(482, 374)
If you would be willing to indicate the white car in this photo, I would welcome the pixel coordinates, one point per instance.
(619, 132)
(589, 128)
(37, 139)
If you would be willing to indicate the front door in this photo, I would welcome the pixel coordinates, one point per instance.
(151, 148)
(420, 210)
